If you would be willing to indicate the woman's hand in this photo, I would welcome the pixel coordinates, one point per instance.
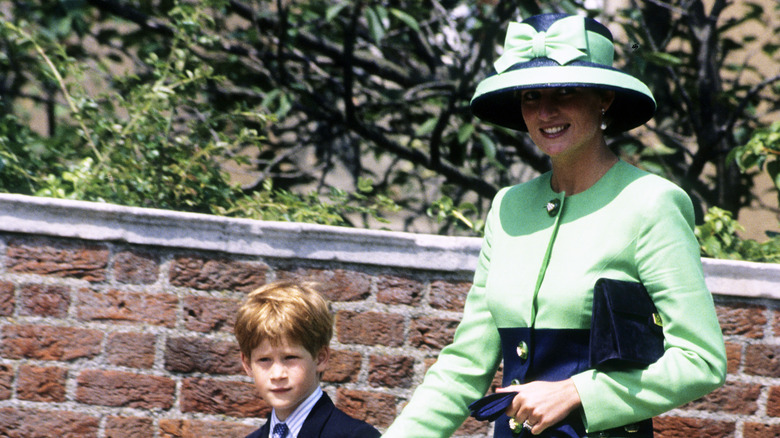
(542, 404)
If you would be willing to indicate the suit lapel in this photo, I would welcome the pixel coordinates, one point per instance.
(315, 421)
(265, 430)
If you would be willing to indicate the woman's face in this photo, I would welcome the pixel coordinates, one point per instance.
(562, 122)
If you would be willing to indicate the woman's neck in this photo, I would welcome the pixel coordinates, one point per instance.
(576, 176)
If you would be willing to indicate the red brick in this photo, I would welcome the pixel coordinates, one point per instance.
(335, 285)
(6, 381)
(432, 333)
(740, 319)
(121, 389)
(134, 350)
(44, 300)
(733, 357)
(41, 384)
(217, 274)
(762, 360)
(170, 428)
(199, 355)
(732, 398)
(678, 427)
(59, 259)
(343, 367)
(29, 423)
(449, 296)
(373, 408)
(7, 300)
(370, 328)
(129, 427)
(49, 343)
(207, 314)
(758, 430)
(773, 402)
(776, 322)
(391, 371)
(115, 305)
(136, 267)
(398, 290)
(209, 396)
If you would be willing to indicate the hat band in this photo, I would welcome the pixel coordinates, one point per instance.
(564, 41)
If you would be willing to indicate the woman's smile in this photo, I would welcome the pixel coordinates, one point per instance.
(554, 129)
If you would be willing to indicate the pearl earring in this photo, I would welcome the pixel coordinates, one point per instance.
(603, 121)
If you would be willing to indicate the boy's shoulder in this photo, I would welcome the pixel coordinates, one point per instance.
(332, 422)
(350, 427)
(327, 421)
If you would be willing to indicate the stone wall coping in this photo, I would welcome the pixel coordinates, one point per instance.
(154, 227)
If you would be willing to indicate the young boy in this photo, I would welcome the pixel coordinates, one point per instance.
(283, 331)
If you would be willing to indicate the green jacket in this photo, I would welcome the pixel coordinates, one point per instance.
(630, 225)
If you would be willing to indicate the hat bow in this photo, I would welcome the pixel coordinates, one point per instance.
(564, 41)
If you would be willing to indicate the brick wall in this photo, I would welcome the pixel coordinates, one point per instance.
(116, 322)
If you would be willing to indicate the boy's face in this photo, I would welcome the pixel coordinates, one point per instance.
(285, 374)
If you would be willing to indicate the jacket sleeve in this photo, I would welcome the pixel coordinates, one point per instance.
(694, 361)
(462, 372)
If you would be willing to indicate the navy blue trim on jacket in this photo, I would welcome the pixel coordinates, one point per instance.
(553, 355)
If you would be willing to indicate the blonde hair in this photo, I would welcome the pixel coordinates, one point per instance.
(284, 311)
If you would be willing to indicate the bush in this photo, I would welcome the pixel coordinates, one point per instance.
(159, 143)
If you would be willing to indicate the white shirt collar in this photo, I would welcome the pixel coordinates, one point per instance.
(295, 421)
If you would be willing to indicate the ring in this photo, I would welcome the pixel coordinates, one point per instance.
(527, 425)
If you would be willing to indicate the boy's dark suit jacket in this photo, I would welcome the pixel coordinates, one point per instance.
(326, 421)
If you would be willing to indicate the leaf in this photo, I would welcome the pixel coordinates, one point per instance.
(406, 18)
(488, 146)
(658, 149)
(365, 185)
(375, 27)
(426, 128)
(773, 168)
(663, 59)
(464, 132)
(334, 10)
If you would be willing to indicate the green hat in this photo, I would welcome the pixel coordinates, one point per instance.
(559, 50)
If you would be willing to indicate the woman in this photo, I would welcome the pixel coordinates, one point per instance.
(548, 240)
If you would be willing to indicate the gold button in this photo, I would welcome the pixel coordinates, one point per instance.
(552, 206)
(522, 350)
(515, 426)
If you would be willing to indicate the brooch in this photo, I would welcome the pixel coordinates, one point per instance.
(553, 206)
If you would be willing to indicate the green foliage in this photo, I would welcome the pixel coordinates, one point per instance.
(444, 209)
(156, 145)
(23, 156)
(718, 239)
(282, 205)
(718, 234)
(157, 142)
(763, 149)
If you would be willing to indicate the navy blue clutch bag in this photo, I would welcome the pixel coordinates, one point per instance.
(625, 328)
(625, 331)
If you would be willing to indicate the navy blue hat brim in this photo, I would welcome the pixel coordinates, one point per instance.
(497, 99)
